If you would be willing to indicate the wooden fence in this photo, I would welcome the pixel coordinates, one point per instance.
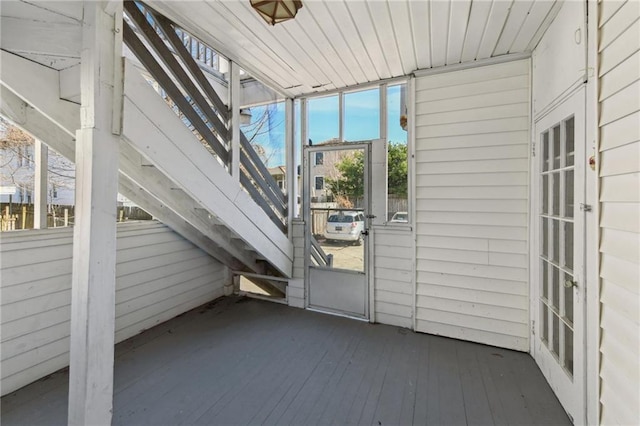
(21, 216)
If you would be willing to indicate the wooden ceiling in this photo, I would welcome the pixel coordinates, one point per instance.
(330, 44)
(341, 43)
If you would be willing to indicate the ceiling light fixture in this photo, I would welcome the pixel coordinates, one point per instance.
(276, 11)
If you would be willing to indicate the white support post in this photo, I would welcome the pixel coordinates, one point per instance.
(290, 165)
(40, 189)
(384, 114)
(234, 100)
(94, 235)
(341, 117)
(304, 141)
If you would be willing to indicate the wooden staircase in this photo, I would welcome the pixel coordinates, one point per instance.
(175, 150)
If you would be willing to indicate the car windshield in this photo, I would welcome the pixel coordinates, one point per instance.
(340, 219)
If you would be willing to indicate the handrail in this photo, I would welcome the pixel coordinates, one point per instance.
(198, 104)
(167, 83)
(255, 158)
(207, 56)
(318, 255)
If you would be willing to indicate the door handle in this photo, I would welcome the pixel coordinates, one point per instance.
(570, 283)
(365, 232)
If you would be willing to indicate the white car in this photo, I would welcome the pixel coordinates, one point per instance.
(400, 217)
(345, 226)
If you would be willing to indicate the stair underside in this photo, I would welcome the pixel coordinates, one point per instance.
(163, 167)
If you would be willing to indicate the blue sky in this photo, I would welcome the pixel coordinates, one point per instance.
(361, 112)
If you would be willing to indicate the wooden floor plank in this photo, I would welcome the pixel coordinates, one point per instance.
(243, 361)
(476, 404)
(364, 360)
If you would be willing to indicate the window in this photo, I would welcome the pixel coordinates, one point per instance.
(319, 158)
(265, 131)
(319, 182)
(362, 115)
(397, 155)
(324, 119)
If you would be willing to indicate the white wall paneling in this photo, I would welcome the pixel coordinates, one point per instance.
(619, 172)
(559, 60)
(472, 147)
(159, 275)
(393, 275)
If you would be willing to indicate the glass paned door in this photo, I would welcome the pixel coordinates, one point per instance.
(558, 284)
(336, 199)
(556, 242)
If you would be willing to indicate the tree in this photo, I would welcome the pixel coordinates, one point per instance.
(350, 180)
(18, 162)
(397, 169)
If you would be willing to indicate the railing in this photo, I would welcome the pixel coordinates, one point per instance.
(202, 53)
(318, 256)
(186, 88)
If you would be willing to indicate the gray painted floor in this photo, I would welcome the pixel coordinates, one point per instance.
(244, 361)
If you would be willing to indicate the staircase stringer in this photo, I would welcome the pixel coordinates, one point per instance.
(158, 134)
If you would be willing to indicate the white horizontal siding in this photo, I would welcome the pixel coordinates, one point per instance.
(472, 149)
(619, 72)
(393, 255)
(159, 275)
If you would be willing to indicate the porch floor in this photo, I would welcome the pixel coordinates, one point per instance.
(245, 361)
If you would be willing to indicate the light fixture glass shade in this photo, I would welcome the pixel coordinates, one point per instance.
(275, 11)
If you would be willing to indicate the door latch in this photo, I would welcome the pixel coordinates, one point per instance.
(371, 216)
(585, 207)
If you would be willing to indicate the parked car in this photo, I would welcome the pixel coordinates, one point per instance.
(400, 217)
(345, 226)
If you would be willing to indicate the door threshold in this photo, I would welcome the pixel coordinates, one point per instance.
(280, 300)
(337, 314)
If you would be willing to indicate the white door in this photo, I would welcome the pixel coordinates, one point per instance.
(336, 203)
(558, 277)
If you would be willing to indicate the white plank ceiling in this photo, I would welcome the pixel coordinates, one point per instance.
(341, 43)
(330, 44)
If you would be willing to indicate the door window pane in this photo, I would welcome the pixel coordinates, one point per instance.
(545, 194)
(556, 147)
(545, 237)
(568, 299)
(555, 177)
(568, 349)
(337, 210)
(555, 239)
(568, 193)
(544, 332)
(545, 151)
(570, 145)
(555, 288)
(568, 245)
(555, 348)
(545, 280)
